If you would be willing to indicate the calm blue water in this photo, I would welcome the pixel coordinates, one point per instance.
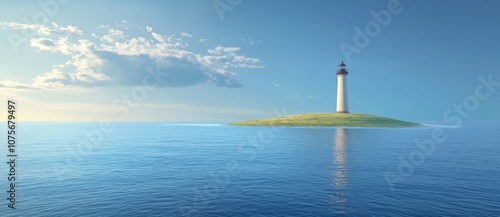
(155, 169)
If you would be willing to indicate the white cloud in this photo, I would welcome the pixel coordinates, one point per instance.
(73, 30)
(117, 59)
(42, 30)
(277, 85)
(185, 34)
(203, 39)
(14, 84)
(158, 37)
(113, 36)
(251, 41)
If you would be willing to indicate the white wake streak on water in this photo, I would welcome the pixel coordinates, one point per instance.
(201, 125)
(443, 126)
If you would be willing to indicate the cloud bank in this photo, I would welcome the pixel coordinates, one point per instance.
(115, 58)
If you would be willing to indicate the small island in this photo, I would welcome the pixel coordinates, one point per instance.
(341, 118)
(329, 119)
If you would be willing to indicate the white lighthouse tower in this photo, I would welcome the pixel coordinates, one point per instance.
(342, 89)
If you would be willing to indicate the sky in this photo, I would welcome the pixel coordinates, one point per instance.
(233, 60)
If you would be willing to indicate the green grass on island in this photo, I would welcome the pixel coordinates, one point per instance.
(329, 119)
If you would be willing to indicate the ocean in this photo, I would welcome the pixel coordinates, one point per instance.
(161, 169)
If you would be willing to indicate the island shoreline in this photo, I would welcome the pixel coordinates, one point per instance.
(330, 120)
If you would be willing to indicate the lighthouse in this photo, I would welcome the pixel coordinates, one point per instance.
(342, 89)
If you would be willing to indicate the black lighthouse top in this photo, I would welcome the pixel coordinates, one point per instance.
(342, 70)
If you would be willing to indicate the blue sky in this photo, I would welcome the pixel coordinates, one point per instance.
(86, 60)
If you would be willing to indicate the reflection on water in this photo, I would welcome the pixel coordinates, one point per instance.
(340, 172)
